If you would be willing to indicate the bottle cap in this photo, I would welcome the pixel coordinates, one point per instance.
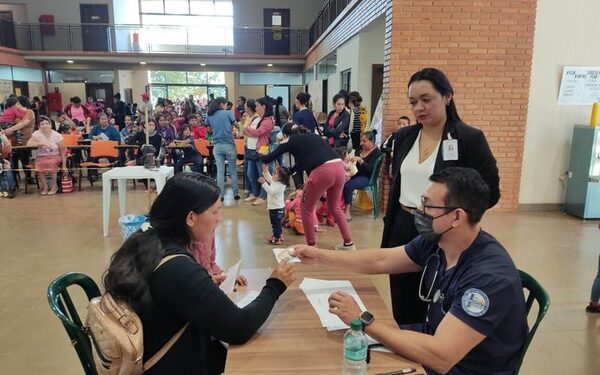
(356, 325)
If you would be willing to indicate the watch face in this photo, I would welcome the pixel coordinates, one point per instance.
(366, 317)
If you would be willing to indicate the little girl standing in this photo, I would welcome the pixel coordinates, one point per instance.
(275, 187)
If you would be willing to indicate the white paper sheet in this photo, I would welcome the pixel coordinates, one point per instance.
(318, 291)
(251, 296)
(281, 254)
(228, 285)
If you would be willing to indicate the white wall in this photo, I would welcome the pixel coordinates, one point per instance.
(371, 51)
(250, 12)
(64, 11)
(566, 34)
(68, 90)
(19, 11)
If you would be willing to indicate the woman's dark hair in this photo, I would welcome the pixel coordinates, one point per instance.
(131, 267)
(60, 113)
(466, 190)
(11, 101)
(250, 103)
(24, 101)
(266, 102)
(370, 135)
(404, 118)
(278, 103)
(182, 128)
(215, 105)
(337, 97)
(77, 100)
(344, 95)
(303, 98)
(290, 128)
(355, 98)
(242, 98)
(442, 85)
(284, 175)
(44, 118)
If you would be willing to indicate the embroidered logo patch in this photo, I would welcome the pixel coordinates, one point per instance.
(475, 302)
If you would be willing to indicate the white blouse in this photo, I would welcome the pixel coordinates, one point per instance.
(415, 176)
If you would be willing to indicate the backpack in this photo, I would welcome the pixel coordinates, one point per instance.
(117, 336)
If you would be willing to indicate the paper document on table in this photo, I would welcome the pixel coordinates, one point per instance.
(318, 292)
(281, 254)
(251, 296)
(228, 285)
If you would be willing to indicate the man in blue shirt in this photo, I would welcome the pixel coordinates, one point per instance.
(477, 319)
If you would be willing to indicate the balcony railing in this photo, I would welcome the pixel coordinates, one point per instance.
(154, 39)
(331, 10)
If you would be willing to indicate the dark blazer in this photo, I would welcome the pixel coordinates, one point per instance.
(341, 125)
(473, 152)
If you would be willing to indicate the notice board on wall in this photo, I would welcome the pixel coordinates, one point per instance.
(580, 85)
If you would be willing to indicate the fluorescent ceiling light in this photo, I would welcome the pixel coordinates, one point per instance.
(70, 61)
(142, 63)
(269, 65)
(202, 64)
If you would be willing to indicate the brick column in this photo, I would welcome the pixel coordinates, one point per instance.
(485, 48)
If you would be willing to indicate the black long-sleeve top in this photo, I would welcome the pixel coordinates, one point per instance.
(139, 139)
(340, 126)
(473, 152)
(366, 167)
(183, 292)
(309, 150)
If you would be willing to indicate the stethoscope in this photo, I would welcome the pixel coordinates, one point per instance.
(438, 296)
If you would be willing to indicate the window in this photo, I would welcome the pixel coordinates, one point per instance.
(346, 80)
(177, 85)
(188, 22)
(185, 78)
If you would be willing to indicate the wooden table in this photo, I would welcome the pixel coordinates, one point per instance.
(292, 339)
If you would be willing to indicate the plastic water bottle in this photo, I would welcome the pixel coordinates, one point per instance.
(355, 350)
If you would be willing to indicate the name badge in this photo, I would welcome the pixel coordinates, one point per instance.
(450, 149)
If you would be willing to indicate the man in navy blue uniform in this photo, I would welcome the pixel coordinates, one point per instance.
(477, 320)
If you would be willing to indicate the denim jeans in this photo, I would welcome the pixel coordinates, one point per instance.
(356, 182)
(195, 160)
(222, 152)
(276, 216)
(254, 172)
(596, 285)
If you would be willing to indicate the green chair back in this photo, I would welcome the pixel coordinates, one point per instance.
(62, 306)
(538, 294)
(373, 184)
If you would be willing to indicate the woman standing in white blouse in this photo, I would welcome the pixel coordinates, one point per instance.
(439, 140)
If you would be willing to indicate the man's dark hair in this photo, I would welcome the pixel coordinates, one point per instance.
(466, 189)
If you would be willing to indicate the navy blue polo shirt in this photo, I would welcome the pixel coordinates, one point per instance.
(484, 291)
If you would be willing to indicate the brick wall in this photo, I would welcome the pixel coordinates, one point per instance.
(485, 48)
(9, 56)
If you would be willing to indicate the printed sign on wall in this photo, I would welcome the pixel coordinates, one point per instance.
(580, 85)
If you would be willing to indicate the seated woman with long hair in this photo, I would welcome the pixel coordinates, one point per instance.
(181, 291)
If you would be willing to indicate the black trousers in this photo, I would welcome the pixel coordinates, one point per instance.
(355, 138)
(25, 157)
(407, 307)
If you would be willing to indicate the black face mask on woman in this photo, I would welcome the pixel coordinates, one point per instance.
(424, 225)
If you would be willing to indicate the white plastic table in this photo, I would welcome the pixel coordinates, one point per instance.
(123, 174)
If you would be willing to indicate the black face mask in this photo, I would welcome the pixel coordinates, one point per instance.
(424, 225)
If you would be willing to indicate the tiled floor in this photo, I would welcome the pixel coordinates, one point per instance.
(43, 237)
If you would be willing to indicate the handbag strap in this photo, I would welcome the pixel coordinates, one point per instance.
(161, 353)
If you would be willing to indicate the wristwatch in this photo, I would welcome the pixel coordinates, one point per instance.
(366, 318)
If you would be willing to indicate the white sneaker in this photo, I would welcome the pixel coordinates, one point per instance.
(345, 247)
(258, 201)
(250, 198)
